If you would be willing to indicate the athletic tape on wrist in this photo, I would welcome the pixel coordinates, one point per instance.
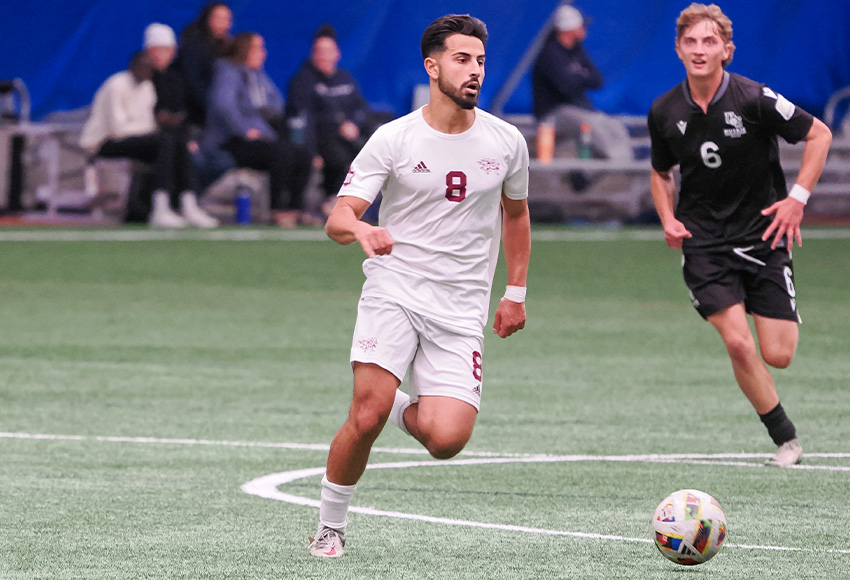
(799, 193)
(515, 293)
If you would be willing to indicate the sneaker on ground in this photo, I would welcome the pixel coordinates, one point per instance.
(193, 213)
(328, 543)
(162, 216)
(789, 453)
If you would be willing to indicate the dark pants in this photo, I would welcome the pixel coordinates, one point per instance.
(288, 166)
(172, 165)
(337, 154)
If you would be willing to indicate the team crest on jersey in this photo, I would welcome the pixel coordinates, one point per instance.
(369, 344)
(489, 166)
(737, 124)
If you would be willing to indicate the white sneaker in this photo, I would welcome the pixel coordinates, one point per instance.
(789, 453)
(328, 543)
(162, 216)
(193, 213)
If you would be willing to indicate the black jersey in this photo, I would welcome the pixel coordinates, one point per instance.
(728, 158)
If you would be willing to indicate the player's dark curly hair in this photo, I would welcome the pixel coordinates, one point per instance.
(434, 37)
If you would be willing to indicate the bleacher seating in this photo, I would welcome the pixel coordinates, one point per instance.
(619, 192)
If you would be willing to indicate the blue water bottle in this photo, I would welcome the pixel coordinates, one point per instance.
(243, 206)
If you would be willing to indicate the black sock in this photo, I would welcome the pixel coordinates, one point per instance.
(779, 426)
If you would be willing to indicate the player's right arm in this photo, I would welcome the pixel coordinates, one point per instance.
(345, 227)
(662, 188)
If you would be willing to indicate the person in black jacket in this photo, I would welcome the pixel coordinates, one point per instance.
(204, 40)
(561, 77)
(172, 120)
(328, 112)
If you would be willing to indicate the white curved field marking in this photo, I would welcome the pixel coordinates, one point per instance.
(267, 487)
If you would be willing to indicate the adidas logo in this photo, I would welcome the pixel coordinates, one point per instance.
(421, 168)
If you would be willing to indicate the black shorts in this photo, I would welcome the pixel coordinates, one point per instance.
(761, 279)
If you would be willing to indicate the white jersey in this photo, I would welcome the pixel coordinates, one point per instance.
(441, 204)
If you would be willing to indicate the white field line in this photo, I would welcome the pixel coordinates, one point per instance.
(270, 234)
(695, 458)
(267, 485)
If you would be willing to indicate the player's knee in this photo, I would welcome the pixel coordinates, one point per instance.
(741, 348)
(368, 421)
(778, 358)
(445, 447)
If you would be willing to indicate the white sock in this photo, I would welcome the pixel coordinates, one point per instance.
(334, 506)
(402, 402)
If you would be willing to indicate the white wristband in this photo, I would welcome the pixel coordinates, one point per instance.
(799, 193)
(515, 294)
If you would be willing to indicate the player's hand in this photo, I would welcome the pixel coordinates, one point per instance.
(787, 217)
(674, 232)
(510, 317)
(375, 241)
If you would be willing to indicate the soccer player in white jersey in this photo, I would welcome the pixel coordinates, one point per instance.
(454, 180)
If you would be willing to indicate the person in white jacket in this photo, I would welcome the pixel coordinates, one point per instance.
(122, 124)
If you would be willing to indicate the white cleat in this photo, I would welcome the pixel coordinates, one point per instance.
(789, 453)
(328, 543)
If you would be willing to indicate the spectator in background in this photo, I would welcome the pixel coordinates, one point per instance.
(561, 77)
(328, 102)
(122, 124)
(204, 40)
(171, 117)
(245, 117)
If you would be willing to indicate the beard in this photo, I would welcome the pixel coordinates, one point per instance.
(457, 95)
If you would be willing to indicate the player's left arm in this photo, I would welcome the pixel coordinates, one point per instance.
(788, 212)
(516, 244)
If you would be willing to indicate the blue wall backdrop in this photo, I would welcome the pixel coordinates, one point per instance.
(63, 50)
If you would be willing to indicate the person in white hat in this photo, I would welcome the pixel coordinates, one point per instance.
(160, 43)
(561, 77)
(131, 119)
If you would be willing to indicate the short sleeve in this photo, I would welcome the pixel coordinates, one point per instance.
(516, 181)
(783, 117)
(662, 157)
(370, 169)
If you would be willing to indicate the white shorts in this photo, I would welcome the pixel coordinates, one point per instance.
(440, 361)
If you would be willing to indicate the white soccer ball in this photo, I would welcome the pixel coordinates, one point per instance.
(689, 527)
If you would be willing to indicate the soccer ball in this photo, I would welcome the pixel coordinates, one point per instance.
(689, 527)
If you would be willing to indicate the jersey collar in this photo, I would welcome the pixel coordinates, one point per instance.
(724, 84)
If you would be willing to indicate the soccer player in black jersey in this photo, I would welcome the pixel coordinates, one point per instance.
(735, 221)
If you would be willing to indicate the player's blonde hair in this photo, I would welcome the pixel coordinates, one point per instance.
(697, 13)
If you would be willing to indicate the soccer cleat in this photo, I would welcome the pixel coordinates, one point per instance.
(789, 453)
(328, 543)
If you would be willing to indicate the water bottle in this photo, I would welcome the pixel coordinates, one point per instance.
(584, 139)
(243, 206)
(297, 126)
